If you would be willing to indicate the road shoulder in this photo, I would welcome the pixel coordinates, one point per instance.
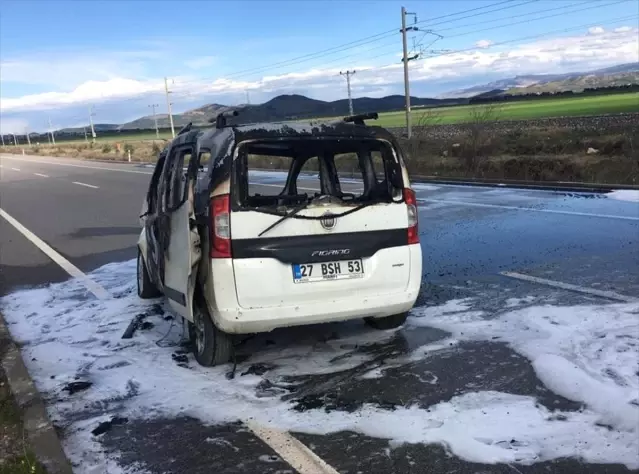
(43, 440)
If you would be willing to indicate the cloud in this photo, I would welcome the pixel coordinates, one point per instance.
(87, 92)
(483, 43)
(596, 30)
(69, 70)
(559, 54)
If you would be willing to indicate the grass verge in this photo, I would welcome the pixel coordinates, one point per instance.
(15, 454)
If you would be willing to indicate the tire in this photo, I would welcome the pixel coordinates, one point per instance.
(389, 322)
(211, 346)
(146, 287)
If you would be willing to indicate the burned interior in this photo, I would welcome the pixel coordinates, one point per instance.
(321, 165)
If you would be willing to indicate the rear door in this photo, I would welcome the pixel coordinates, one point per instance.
(319, 256)
(184, 250)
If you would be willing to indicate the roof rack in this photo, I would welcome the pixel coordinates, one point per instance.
(185, 129)
(220, 119)
(359, 119)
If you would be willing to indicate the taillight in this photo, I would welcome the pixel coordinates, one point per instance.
(220, 227)
(411, 206)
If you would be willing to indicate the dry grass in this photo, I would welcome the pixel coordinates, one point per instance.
(549, 150)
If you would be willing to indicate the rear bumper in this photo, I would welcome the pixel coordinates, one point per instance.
(230, 317)
(242, 321)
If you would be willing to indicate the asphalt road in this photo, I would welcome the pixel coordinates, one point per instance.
(88, 212)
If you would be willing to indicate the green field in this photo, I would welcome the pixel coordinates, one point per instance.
(529, 109)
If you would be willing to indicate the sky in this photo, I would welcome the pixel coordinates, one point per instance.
(60, 58)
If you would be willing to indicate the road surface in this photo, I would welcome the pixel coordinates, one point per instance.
(500, 248)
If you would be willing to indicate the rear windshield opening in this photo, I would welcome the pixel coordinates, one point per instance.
(293, 172)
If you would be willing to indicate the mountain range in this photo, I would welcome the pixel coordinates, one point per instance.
(293, 107)
(576, 81)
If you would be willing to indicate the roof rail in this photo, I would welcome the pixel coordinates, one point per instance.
(220, 119)
(359, 119)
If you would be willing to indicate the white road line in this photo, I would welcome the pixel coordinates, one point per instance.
(516, 208)
(85, 184)
(15, 169)
(41, 175)
(79, 166)
(293, 451)
(67, 266)
(611, 295)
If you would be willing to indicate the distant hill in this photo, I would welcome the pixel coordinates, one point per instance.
(294, 107)
(285, 107)
(577, 81)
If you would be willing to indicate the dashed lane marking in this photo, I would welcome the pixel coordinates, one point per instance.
(85, 184)
(41, 175)
(611, 295)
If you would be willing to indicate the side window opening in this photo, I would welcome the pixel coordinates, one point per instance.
(204, 159)
(176, 178)
(152, 194)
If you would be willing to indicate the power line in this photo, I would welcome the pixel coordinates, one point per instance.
(524, 38)
(354, 44)
(533, 19)
(440, 30)
(476, 14)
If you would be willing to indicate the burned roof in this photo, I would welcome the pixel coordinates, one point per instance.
(338, 129)
(220, 140)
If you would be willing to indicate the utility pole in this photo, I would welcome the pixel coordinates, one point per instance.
(51, 132)
(2, 137)
(85, 134)
(405, 59)
(168, 106)
(348, 75)
(28, 138)
(248, 98)
(15, 140)
(91, 114)
(155, 120)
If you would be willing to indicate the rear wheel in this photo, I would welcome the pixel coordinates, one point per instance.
(146, 288)
(389, 322)
(210, 345)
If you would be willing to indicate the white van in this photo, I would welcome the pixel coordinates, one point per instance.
(237, 249)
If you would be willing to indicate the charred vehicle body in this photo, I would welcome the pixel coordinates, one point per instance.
(233, 258)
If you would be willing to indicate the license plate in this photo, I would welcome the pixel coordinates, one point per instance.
(340, 270)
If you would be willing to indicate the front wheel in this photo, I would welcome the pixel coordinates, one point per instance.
(146, 288)
(389, 322)
(210, 345)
